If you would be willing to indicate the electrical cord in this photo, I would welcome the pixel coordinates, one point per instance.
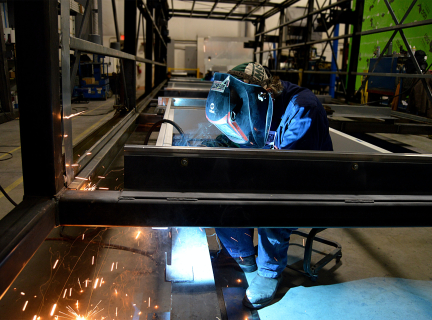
(7, 196)
(147, 138)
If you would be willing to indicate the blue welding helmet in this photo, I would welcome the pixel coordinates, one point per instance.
(241, 111)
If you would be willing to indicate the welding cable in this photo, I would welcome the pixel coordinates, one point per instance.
(147, 138)
(11, 156)
(7, 196)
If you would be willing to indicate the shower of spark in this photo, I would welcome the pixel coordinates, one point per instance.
(55, 264)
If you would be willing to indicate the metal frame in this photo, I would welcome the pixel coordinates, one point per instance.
(362, 192)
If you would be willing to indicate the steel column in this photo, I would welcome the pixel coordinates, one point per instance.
(307, 36)
(129, 66)
(149, 50)
(355, 49)
(5, 93)
(40, 114)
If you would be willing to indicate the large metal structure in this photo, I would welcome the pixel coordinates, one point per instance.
(330, 189)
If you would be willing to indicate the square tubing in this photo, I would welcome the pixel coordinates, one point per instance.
(129, 66)
(355, 49)
(66, 89)
(149, 51)
(40, 119)
(5, 92)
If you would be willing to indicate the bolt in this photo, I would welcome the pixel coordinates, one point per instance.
(355, 166)
(184, 162)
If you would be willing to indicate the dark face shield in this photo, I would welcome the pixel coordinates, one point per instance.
(242, 111)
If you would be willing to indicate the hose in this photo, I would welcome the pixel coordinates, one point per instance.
(147, 138)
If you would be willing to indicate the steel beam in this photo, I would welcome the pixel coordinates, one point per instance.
(129, 66)
(165, 209)
(149, 49)
(5, 92)
(22, 231)
(40, 114)
(355, 48)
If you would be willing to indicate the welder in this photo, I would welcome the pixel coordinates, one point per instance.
(256, 110)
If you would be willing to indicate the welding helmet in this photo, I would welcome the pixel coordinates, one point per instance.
(242, 111)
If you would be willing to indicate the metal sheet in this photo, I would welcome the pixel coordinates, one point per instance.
(234, 307)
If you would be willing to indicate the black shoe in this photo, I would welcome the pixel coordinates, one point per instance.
(247, 264)
(261, 292)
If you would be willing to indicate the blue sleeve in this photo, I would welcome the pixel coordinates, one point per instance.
(303, 127)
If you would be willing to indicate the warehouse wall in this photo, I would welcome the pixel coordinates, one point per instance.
(376, 15)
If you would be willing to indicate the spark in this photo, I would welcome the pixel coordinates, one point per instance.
(238, 280)
(70, 292)
(100, 188)
(241, 258)
(25, 305)
(73, 115)
(248, 235)
(100, 285)
(83, 236)
(93, 260)
(201, 229)
(116, 311)
(275, 258)
(35, 296)
(149, 302)
(77, 304)
(53, 309)
(138, 235)
(79, 178)
(75, 165)
(64, 294)
(22, 293)
(156, 307)
(96, 283)
(55, 264)
(86, 282)
(115, 291)
(139, 313)
(112, 267)
(234, 239)
(116, 265)
(79, 283)
(35, 316)
(65, 136)
(101, 177)
(88, 153)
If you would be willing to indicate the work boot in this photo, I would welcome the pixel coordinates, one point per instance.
(261, 291)
(247, 264)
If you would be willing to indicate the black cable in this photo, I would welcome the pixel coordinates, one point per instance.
(146, 140)
(7, 196)
(11, 156)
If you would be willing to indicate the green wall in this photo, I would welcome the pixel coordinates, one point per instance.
(376, 15)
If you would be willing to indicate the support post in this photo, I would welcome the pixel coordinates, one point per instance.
(129, 69)
(149, 50)
(40, 114)
(355, 49)
(5, 93)
(307, 38)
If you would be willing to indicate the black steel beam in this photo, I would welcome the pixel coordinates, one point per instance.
(246, 3)
(129, 66)
(149, 49)
(40, 115)
(199, 16)
(246, 171)
(217, 13)
(257, 7)
(21, 232)
(278, 8)
(355, 49)
(162, 209)
(212, 9)
(338, 3)
(234, 8)
(5, 92)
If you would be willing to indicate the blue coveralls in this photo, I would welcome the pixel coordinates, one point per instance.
(303, 126)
